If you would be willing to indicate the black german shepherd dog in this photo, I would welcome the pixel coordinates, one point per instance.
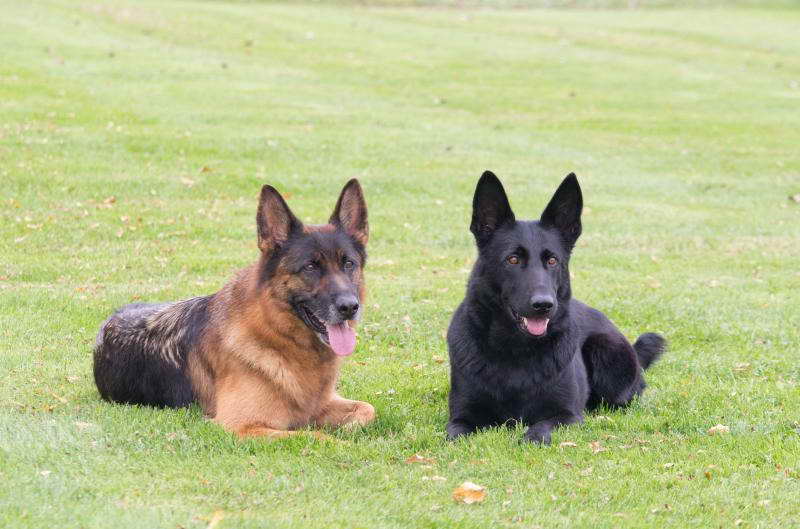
(521, 349)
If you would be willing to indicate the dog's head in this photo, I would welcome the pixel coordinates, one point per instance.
(317, 270)
(526, 262)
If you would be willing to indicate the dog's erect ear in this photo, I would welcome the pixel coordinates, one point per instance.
(275, 222)
(564, 210)
(490, 208)
(350, 212)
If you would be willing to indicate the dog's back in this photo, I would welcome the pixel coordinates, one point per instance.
(141, 352)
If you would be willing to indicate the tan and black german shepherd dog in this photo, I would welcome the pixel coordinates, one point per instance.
(262, 355)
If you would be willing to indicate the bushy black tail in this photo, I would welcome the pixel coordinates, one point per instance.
(649, 347)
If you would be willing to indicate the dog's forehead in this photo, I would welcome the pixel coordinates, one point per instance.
(531, 235)
(322, 241)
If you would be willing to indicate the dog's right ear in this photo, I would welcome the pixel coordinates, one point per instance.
(275, 222)
(490, 208)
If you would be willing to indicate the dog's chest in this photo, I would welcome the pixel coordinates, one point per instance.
(532, 387)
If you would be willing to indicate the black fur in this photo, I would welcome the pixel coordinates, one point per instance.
(521, 349)
(141, 352)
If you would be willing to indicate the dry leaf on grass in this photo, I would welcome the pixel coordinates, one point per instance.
(417, 458)
(469, 492)
(596, 447)
(741, 367)
(567, 444)
(718, 429)
(216, 518)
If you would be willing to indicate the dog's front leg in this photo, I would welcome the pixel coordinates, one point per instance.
(456, 429)
(250, 431)
(345, 412)
(539, 432)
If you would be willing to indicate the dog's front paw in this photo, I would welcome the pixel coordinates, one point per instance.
(539, 436)
(456, 429)
(363, 413)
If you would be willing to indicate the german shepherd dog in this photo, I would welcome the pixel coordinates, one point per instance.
(262, 355)
(521, 349)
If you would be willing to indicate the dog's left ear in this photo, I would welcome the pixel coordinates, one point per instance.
(564, 210)
(350, 212)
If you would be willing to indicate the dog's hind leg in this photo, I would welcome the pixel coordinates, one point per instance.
(612, 366)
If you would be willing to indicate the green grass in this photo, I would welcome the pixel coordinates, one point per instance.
(682, 126)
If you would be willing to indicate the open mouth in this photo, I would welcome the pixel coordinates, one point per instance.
(535, 325)
(340, 337)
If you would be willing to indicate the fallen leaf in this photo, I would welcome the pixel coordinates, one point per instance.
(205, 169)
(469, 492)
(669, 465)
(596, 447)
(188, 182)
(795, 198)
(45, 473)
(718, 429)
(434, 478)
(216, 518)
(741, 367)
(417, 458)
(567, 444)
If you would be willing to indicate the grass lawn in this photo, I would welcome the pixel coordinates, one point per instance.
(135, 135)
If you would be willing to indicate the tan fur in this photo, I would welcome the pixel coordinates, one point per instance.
(268, 372)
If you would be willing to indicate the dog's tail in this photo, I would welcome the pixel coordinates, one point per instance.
(649, 347)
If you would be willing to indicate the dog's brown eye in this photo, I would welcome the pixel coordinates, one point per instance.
(552, 261)
(348, 264)
(513, 259)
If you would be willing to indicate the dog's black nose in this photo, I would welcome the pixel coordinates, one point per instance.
(541, 303)
(347, 306)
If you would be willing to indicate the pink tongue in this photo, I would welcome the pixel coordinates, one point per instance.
(537, 326)
(342, 338)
